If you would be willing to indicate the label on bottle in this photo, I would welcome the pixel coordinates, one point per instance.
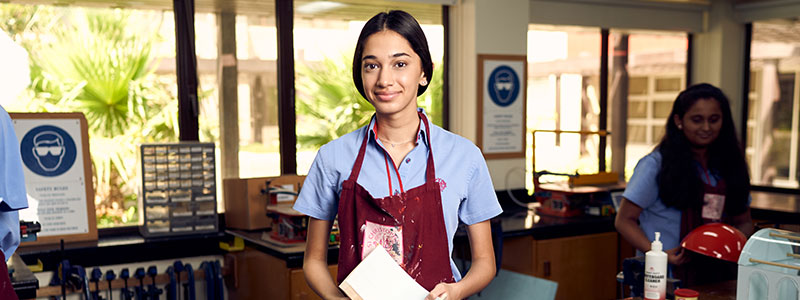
(655, 285)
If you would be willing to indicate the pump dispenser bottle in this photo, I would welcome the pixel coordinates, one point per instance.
(655, 271)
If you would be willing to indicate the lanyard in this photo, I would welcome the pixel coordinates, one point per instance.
(389, 175)
(708, 176)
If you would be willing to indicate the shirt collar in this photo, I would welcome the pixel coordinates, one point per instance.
(421, 134)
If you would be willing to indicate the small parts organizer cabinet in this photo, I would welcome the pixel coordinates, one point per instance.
(178, 189)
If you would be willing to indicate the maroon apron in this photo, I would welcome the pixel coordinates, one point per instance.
(6, 289)
(701, 269)
(409, 225)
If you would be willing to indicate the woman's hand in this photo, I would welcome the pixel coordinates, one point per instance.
(676, 256)
(442, 290)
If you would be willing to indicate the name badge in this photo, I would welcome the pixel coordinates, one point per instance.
(713, 205)
(386, 236)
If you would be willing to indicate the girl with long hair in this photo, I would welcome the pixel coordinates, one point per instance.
(697, 174)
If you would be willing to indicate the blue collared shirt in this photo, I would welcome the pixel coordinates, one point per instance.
(642, 189)
(467, 191)
(12, 186)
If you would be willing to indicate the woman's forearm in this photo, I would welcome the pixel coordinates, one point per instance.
(480, 274)
(320, 280)
(315, 260)
(627, 224)
(633, 234)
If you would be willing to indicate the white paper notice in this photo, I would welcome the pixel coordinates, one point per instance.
(379, 277)
(52, 156)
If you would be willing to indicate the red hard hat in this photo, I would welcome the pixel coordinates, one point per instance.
(716, 240)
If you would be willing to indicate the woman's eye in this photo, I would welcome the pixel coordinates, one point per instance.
(401, 64)
(370, 66)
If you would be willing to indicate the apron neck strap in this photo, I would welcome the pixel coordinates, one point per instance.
(430, 174)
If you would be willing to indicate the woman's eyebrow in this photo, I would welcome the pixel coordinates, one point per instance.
(400, 54)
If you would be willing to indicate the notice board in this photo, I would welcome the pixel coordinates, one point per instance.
(501, 105)
(58, 176)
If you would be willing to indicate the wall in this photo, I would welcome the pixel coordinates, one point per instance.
(484, 27)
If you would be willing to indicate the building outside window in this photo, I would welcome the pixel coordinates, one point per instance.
(773, 122)
(656, 73)
(563, 94)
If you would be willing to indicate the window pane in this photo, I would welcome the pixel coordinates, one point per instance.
(661, 109)
(658, 133)
(256, 140)
(668, 84)
(773, 132)
(114, 65)
(638, 86)
(563, 70)
(637, 109)
(328, 104)
(637, 134)
(657, 57)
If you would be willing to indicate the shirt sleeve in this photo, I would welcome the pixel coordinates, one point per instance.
(12, 179)
(318, 198)
(9, 232)
(12, 186)
(642, 188)
(481, 202)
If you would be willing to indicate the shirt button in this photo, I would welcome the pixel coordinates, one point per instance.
(408, 160)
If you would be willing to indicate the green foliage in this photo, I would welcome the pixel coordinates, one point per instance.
(329, 105)
(92, 61)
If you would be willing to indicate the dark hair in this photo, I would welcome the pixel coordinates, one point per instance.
(679, 185)
(405, 25)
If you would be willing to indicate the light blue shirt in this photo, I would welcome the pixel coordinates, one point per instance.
(467, 191)
(642, 189)
(12, 186)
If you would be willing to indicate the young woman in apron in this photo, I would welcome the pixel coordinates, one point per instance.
(697, 174)
(400, 182)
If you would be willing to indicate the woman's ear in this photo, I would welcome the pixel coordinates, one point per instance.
(677, 121)
(422, 80)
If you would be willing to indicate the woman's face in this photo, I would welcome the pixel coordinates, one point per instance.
(702, 122)
(391, 73)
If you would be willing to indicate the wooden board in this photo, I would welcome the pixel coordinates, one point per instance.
(246, 206)
(82, 149)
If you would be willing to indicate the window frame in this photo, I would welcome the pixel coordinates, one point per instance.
(188, 106)
(748, 39)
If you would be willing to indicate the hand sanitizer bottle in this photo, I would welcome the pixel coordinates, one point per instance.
(655, 271)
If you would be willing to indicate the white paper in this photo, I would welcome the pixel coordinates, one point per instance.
(57, 199)
(379, 277)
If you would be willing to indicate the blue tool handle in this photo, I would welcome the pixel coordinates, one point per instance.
(188, 288)
(218, 281)
(172, 286)
(208, 269)
(110, 275)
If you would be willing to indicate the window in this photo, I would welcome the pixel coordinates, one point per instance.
(647, 70)
(109, 64)
(43, 30)
(252, 102)
(563, 81)
(773, 124)
(327, 103)
(654, 65)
